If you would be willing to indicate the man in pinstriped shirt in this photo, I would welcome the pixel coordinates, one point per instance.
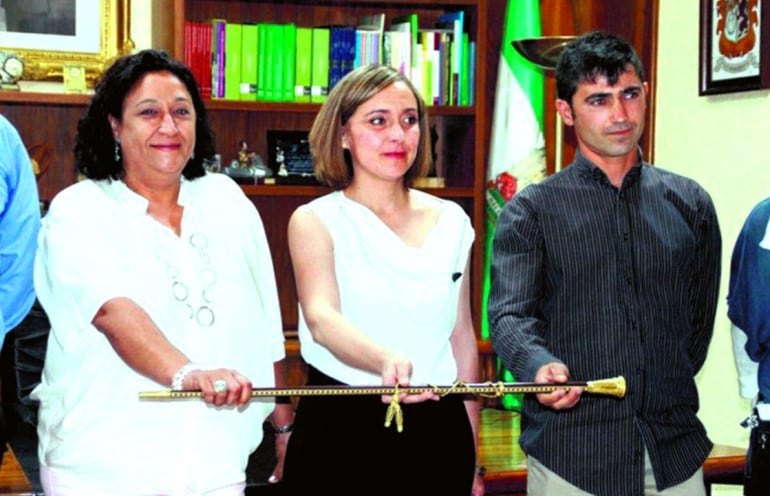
(609, 267)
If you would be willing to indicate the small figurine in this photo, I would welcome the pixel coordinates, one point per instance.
(279, 159)
(248, 168)
(244, 156)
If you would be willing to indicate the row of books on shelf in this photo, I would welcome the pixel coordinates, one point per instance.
(283, 62)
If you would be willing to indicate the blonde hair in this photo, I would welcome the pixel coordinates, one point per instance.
(332, 164)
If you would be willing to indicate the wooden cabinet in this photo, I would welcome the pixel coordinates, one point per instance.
(462, 130)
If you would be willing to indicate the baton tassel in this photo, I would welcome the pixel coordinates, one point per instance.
(395, 411)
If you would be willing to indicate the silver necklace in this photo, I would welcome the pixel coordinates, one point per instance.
(201, 311)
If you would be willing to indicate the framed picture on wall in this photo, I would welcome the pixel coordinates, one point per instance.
(49, 35)
(734, 46)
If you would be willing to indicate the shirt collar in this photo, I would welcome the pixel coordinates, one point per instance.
(122, 193)
(588, 169)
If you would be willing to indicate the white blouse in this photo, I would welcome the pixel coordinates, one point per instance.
(212, 293)
(402, 297)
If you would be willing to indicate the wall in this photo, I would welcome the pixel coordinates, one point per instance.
(717, 141)
(141, 23)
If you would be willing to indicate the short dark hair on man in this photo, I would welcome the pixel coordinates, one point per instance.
(94, 143)
(597, 53)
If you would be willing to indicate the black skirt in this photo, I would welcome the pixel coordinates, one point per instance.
(340, 446)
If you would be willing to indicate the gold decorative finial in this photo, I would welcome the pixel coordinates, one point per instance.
(615, 386)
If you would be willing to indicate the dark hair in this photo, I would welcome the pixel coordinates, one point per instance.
(594, 54)
(333, 165)
(95, 144)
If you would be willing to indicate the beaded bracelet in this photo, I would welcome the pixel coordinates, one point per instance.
(177, 382)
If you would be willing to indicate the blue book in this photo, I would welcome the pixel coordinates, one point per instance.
(341, 52)
(336, 35)
(349, 50)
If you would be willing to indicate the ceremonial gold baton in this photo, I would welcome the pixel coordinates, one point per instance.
(615, 386)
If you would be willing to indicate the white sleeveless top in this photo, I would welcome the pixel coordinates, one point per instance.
(402, 297)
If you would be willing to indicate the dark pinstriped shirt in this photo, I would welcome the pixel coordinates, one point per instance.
(610, 282)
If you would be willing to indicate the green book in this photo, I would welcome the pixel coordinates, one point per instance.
(289, 62)
(248, 88)
(319, 74)
(233, 37)
(262, 62)
(465, 94)
(431, 65)
(303, 58)
(277, 56)
(268, 59)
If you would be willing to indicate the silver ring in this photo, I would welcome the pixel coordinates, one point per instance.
(220, 386)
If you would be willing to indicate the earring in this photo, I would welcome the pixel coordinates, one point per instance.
(117, 151)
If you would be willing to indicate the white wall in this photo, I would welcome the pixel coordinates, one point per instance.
(141, 25)
(720, 142)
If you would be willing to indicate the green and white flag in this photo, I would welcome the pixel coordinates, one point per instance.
(517, 148)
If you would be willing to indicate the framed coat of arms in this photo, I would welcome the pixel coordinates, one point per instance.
(734, 46)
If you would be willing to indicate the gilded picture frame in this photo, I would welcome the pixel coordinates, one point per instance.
(100, 36)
